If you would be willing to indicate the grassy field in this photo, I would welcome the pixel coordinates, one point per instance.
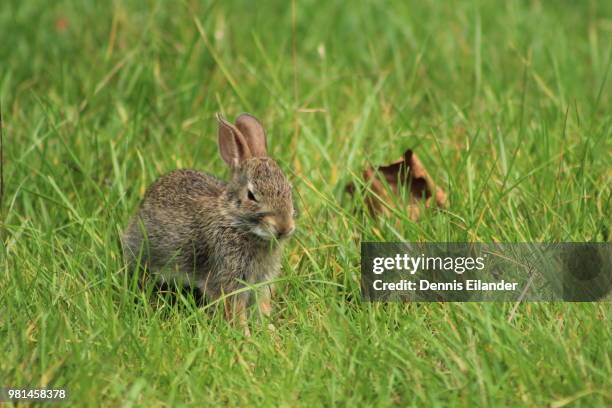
(508, 104)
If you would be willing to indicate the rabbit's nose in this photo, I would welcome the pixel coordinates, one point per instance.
(285, 232)
(280, 227)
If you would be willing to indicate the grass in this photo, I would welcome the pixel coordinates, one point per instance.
(507, 104)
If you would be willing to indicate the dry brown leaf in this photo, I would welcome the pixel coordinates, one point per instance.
(407, 172)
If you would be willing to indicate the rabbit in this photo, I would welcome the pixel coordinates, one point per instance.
(194, 228)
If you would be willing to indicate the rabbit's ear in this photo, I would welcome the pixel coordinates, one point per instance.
(232, 144)
(254, 134)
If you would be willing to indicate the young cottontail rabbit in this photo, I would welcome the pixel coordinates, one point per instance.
(194, 228)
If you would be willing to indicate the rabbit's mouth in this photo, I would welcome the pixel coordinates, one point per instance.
(269, 233)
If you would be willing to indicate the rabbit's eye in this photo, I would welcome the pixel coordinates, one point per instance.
(251, 196)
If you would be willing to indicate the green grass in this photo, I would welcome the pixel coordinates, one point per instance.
(506, 103)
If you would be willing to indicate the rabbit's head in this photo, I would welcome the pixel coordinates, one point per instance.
(259, 194)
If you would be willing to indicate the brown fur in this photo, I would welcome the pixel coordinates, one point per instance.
(192, 227)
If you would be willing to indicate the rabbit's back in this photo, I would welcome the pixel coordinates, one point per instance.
(180, 188)
(162, 232)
